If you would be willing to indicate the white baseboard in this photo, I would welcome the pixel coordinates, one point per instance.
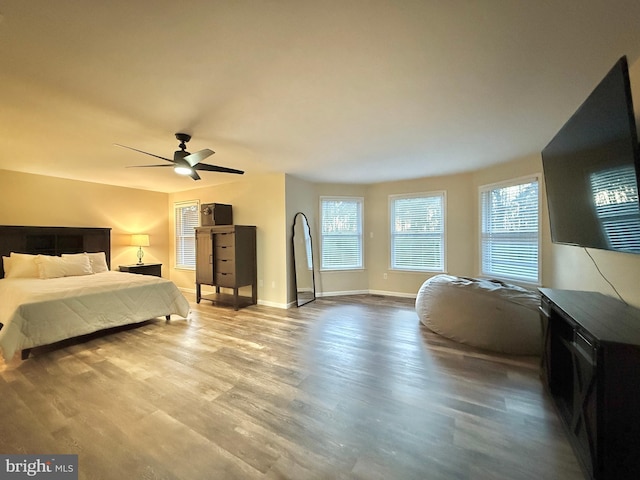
(267, 303)
(393, 294)
(342, 293)
(366, 292)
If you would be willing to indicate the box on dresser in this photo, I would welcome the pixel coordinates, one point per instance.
(215, 214)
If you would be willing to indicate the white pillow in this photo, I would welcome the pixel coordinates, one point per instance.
(6, 265)
(22, 265)
(80, 265)
(55, 267)
(49, 267)
(97, 260)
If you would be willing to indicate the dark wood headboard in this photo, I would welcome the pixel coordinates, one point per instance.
(53, 241)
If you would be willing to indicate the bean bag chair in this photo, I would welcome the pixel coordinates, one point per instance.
(488, 314)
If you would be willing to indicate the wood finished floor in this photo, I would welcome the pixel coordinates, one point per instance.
(342, 388)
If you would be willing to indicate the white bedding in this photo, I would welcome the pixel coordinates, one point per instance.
(38, 312)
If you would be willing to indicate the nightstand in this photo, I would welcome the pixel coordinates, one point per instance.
(154, 269)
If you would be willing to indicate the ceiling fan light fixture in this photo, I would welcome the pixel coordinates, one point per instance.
(183, 169)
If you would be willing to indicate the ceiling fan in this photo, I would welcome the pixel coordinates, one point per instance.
(185, 163)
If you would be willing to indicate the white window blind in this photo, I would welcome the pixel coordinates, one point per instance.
(510, 233)
(341, 233)
(615, 195)
(417, 232)
(187, 218)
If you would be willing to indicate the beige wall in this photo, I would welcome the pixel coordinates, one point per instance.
(562, 266)
(568, 267)
(270, 201)
(40, 200)
(459, 234)
(301, 196)
(520, 168)
(347, 281)
(259, 201)
(574, 270)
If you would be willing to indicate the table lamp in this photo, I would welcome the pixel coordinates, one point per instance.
(140, 241)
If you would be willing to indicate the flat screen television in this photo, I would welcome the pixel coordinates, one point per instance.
(592, 170)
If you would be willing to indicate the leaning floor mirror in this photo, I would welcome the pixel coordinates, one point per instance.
(303, 260)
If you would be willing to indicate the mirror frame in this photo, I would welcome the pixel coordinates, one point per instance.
(302, 218)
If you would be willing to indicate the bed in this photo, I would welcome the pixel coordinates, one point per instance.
(55, 284)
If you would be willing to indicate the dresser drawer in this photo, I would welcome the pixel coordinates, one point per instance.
(225, 239)
(225, 253)
(225, 265)
(225, 279)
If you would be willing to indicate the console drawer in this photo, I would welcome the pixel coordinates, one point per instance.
(585, 345)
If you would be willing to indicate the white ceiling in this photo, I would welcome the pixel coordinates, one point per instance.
(331, 91)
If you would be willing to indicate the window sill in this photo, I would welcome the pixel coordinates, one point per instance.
(343, 270)
(521, 283)
(422, 272)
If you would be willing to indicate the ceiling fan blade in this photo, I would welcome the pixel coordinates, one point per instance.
(197, 157)
(146, 153)
(145, 166)
(183, 162)
(215, 168)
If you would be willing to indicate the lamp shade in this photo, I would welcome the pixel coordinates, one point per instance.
(140, 240)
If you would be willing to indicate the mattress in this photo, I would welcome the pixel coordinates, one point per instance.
(37, 312)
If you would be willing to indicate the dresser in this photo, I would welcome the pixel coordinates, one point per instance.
(226, 260)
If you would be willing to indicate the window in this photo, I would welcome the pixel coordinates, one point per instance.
(417, 232)
(510, 235)
(187, 215)
(341, 237)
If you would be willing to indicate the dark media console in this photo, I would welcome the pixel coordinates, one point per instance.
(591, 367)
